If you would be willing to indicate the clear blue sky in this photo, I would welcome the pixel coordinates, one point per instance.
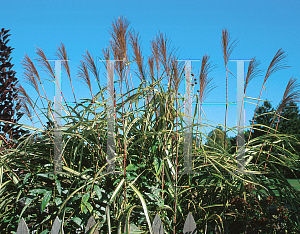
(194, 27)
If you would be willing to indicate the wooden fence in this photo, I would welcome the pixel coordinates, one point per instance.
(157, 227)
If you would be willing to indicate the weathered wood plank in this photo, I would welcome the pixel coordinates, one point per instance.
(189, 225)
(22, 227)
(90, 224)
(133, 229)
(56, 227)
(157, 227)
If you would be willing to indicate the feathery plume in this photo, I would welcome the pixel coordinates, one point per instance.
(119, 34)
(155, 53)
(205, 86)
(176, 78)
(31, 73)
(291, 94)
(62, 55)
(24, 96)
(89, 61)
(163, 53)
(151, 66)
(83, 75)
(106, 55)
(138, 57)
(226, 47)
(44, 64)
(252, 71)
(277, 63)
(25, 109)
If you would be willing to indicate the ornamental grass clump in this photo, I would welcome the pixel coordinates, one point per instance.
(149, 148)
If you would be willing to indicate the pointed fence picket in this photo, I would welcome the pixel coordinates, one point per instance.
(157, 227)
(188, 228)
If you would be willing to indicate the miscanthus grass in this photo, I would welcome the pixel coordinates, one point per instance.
(149, 146)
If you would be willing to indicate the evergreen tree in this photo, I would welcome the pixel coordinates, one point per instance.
(289, 123)
(9, 103)
(216, 138)
(264, 116)
(233, 144)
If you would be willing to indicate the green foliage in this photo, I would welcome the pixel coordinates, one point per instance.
(288, 124)
(259, 213)
(263, 119)
(216, 138)
(149, 160)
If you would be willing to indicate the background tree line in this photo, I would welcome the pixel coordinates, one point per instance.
(289, 123)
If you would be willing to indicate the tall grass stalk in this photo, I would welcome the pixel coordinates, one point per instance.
(227, 49)
(277, 63)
